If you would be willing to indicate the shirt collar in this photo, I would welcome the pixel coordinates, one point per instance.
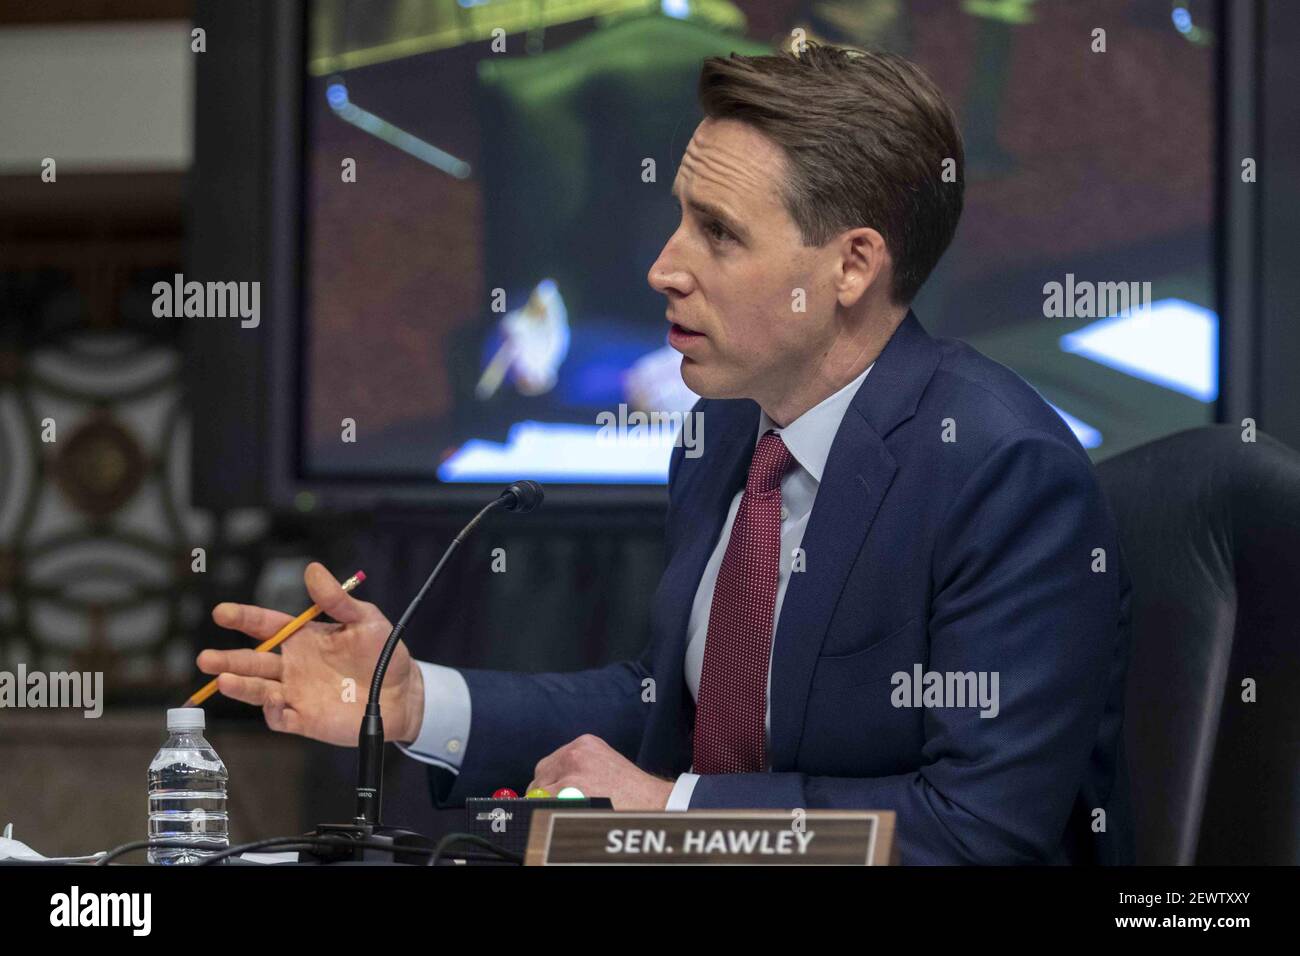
(809, 436)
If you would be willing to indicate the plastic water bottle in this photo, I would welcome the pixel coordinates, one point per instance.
(187, 791)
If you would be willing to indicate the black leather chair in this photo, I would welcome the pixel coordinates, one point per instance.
(1210, 527)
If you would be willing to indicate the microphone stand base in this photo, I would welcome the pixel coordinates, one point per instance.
(416, 846)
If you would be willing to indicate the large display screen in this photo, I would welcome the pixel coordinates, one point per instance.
(486, 185)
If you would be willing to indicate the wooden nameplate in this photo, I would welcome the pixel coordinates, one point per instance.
(712, 837)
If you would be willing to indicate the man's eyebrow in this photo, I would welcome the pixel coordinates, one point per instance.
(709, 209)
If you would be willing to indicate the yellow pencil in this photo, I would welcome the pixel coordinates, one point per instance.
(280, 637)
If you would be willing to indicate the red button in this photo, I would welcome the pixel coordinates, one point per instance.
(505, 793)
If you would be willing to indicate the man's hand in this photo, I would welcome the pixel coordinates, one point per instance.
(318, 682)
(598, 770)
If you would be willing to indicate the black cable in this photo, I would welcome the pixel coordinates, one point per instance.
(221, 850)
(305, 844)
(160, 844)
(306, 841)
(474, 840)
(343, 842)
(254, 845)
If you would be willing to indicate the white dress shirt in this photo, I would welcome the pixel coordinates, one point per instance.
(444, 734)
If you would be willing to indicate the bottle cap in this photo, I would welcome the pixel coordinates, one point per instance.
(185, 718)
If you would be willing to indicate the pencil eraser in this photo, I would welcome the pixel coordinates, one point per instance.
(360, 575)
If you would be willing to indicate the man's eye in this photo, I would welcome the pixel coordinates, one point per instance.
(716, 230)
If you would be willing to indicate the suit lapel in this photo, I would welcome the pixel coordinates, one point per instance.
(720, 479)
(706, 495)
(858, 473)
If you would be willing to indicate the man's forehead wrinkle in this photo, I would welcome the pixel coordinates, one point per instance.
(727, 170)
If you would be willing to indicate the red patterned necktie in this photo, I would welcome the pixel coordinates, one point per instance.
(731, 705)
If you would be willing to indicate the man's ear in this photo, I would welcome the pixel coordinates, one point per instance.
(864, 263)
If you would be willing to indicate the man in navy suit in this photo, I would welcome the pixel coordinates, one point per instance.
(892, 580)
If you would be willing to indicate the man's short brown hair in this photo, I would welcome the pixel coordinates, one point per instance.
(865, 136)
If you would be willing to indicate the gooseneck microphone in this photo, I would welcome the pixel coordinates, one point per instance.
(521, 497)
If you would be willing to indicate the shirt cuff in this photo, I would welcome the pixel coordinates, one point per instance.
(444, 730)
(680, 798)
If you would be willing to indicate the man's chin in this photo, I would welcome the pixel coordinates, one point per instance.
(706, 382)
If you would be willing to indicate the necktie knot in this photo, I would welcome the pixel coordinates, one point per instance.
(770, 462)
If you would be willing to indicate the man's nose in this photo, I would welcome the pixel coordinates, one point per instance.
(667, 274)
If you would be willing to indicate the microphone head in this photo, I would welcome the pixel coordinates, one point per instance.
(523, 496)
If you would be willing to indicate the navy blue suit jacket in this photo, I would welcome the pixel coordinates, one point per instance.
(979, 554)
